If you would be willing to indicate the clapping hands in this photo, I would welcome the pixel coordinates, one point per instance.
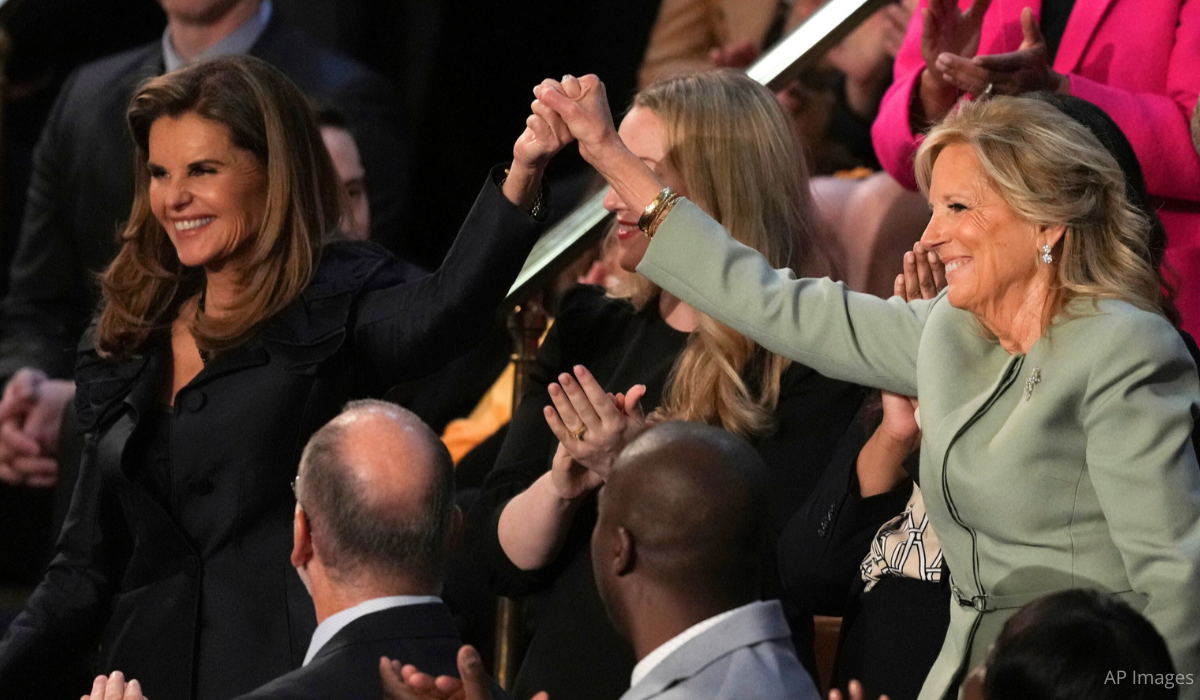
(114, 687)
(1025, 70)
(856, 692)
(591, 425)
(406, 682)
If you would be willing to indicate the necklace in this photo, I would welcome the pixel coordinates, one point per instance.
(204, 354)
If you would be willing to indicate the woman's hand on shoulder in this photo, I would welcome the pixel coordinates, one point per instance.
(592, 425)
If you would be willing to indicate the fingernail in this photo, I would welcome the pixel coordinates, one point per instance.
(933, 258)
(909, 257)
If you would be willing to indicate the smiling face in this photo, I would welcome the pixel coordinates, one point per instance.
(645, 136)
(208, 194)
(990, 251)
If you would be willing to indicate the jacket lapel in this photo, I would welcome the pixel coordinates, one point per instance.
(1085, 19)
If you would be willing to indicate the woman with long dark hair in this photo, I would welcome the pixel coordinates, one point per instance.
(230, 330)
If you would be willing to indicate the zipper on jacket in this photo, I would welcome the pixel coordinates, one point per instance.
(1011, 371)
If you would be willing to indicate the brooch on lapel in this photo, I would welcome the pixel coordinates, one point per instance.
(1035, 378)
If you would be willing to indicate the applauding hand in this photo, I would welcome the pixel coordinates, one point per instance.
(406, 682)
(946, 31)
(114, 687)
(856, 692)
(1025, 70)
(591, 425)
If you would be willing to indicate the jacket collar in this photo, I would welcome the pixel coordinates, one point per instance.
(420, 621)
(299, 338)
(758, 622)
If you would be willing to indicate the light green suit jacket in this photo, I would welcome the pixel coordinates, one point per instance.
(1068, 467)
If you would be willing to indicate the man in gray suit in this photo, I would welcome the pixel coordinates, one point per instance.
(677, 552)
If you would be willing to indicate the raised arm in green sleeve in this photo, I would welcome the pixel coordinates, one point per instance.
(841, 334)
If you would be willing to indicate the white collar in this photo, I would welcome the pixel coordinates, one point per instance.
(335, 622)
(654, 658)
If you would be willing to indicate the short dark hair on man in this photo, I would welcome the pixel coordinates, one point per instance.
(1080, 645)
(355, 533)
(695, 497)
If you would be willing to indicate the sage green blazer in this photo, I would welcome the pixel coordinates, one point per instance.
(1070, 466)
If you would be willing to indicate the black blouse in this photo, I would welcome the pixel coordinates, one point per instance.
(574, 651)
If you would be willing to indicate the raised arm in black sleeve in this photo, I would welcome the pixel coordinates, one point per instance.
(407, 331)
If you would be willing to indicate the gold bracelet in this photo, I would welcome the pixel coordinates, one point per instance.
(660, 215)
(647, 217)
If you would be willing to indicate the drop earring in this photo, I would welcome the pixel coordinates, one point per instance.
(1046, 256)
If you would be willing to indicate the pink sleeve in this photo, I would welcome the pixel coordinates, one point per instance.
(1158, 124)
(895, 143)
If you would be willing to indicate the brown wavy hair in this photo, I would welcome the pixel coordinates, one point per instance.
(740, 160)
(266, 115)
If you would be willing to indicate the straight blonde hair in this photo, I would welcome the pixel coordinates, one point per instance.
(740, 160)
(1053, 171)
(265, 114)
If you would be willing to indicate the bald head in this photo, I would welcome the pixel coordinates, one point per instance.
(691, 499)
(378, 488)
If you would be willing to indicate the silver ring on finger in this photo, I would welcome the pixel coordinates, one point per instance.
(988, 91)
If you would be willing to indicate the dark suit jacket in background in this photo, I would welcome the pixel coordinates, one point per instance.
(191, 591)
(81, 187)
(347, 667)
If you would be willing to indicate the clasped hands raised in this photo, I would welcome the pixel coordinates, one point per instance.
(31, 418)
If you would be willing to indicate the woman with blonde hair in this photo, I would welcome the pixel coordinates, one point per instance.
(722, 138)
(1057, 401)
(233, 325)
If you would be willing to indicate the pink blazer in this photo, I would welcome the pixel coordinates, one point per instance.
(1139, 60)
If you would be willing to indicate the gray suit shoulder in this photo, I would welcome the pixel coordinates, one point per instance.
(765, 671)
(747, 656)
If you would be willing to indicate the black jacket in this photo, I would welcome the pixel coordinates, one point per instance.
(81, 187)
(347, 667)
(572, 636)
(196, 597)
